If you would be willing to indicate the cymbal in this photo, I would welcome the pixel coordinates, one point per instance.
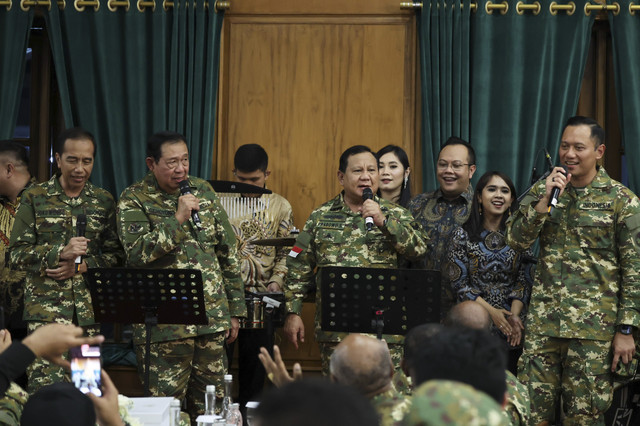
(276, 242)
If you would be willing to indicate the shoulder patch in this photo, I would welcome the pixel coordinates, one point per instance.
(134, 228)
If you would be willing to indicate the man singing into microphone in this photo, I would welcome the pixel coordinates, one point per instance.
(336, 235)
(157, 229)
(585, 302)
(45, 244)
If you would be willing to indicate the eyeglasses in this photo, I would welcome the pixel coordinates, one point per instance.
(173, 163)
(456, 166)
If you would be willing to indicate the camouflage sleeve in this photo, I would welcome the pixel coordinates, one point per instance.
(406, 234)
(525, 225)
(301, 263)
(111, 253)
(456, 267)
(227, 254)
(629, 249)
(145, 241)
(26, 253)
(280, 267)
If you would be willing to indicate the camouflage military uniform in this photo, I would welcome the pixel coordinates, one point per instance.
(45, 222)
(184, 358)
(443, 402)
(11, 282)
(518, 410)
(391, 406)
(586, 284)
(11, 405)
(336, 236)
(439, 217)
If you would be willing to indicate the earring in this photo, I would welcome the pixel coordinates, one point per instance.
(406, 178)
(480, 209)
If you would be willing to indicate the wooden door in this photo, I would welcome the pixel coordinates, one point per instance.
(306, 80)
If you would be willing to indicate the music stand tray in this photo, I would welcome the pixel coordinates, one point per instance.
(376, 300)
(147, 296)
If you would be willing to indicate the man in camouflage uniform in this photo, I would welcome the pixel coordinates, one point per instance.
(364, 363)
(45, 245)
(441, 211)
(336, 235)
(156, 228)
(443, 402)
(585, 301)
(14, 179)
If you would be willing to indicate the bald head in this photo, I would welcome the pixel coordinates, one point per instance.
(469, 314)
(363, 363)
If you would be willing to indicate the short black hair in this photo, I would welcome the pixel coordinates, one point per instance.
(453, 140)
(155, 142)
(474, 357)
(597, 132)
(16, 150)
(315, 402)
(74, 133)
(419, 337)
(354, 150)
(250, 158)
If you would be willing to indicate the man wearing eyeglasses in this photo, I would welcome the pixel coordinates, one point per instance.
(440, 211)
(158, 230)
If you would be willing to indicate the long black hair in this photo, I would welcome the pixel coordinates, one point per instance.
(474, 225)
(405, 190)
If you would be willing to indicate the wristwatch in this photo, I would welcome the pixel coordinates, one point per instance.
(625, 329)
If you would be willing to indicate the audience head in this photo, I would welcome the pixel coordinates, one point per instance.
(75, 151)
(168, 159)
(13, 152)
(468, 314)
(363, 363)
(441, 402)
(416, 338)
(250, 165)
(58, 404)
(475, 357)
(455, 167)
(316, 402)
(581, 147)
(394, 171)
(494, 195)
(358, 169)
(14, 172)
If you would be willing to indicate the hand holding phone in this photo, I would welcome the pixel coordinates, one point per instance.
(86, 367)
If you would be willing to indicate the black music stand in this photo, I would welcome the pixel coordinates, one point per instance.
(149, 297)
(237, 187)
(376, 300)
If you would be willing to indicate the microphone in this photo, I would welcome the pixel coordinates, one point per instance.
(367, 194)
(548, 157)
(186, 189)
(81, 227)
(555, 193)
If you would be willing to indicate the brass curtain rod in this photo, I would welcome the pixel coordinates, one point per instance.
(535, 8)
(112, 5)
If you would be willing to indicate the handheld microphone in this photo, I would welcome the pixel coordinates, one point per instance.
(81, 227)
(186, 189)
(367, 194)
(555, 193)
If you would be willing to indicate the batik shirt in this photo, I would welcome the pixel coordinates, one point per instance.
(334, 235)
(45, 222)
(153, 238)
(587, 279)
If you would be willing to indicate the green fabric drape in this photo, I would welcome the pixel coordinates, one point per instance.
(125, 75)
(625, 34)
(14, 39)
(526, 77)
(444, 42)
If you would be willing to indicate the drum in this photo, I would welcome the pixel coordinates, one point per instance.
(261, 308)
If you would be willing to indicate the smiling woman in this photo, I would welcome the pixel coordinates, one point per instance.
(394, 171)
(482, 267)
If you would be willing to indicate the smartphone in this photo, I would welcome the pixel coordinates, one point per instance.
(86, 367)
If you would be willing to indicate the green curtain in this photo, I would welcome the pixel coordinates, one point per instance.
(625, 34)
(124, 75)
(526, 76)
(14, 39)
(444, 42)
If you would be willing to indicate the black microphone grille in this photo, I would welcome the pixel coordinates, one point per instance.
(367, 194)
(185, 188)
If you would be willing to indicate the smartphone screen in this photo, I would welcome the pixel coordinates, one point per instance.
(85, 369)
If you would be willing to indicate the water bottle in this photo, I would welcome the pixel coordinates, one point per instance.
(234, 418)
(174, 410)
(226, 401)
(209, 400)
